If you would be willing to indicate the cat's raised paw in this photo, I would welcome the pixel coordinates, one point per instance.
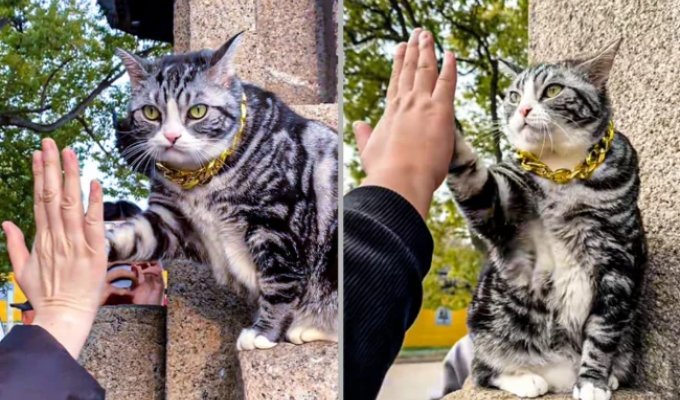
(250, 339)
(613, 383)
(525, 385)
(588, 391)
(300, 335)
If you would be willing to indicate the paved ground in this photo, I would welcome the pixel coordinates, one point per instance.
(413, 381)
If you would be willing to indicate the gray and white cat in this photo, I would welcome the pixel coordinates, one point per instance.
(266, 221)
(557, 303)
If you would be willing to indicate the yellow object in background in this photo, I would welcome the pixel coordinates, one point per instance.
(437, 328)
(18, 297)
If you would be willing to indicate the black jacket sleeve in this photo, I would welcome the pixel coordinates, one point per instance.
(34, 366)
(387, 252)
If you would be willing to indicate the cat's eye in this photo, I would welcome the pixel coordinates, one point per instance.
(198, 111)
(151, 113)
(553, 90)
(514, 97)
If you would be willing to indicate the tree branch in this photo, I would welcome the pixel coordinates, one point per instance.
(91, 134)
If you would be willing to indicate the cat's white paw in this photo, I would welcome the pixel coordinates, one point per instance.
(588, 391)
(300, 335)
(250, 339)
(613, 382)
(525, 385)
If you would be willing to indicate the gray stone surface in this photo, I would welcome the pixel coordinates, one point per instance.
(289, 50)
(204, 320)
(307, 372)
(326, 113)
(644, 88)
(125, 352)
(479, 394)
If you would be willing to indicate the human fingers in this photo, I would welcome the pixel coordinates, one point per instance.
(16, 247)
(397, 64)
(410, 62)
(362, 132)
(39, 212)
(94, 219)
(52, 187)
(140, 274)
(426, 73)
(445, 88)
(71, 199)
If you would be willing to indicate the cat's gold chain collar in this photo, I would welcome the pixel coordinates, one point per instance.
(595, 158)
(190, 179)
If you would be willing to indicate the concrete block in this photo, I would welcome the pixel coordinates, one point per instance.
(125, 352)
(644, 88)
(204, 320)
(326, 113)
(287, 371)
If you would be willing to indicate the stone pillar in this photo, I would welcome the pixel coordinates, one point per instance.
(288, 48)
(644, 89)
(125, 352)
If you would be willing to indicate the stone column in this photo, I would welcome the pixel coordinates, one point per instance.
(289, 49)
(125, 352)
(645, 89)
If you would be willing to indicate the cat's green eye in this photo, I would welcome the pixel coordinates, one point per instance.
(514, 97)
(198, 111)
(151, 113)
(553, 90)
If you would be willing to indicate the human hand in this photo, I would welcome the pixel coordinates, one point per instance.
(63, 274)
(150, 286)
(111, 290)
(410, 149)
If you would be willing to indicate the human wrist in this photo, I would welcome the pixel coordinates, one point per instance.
(417, 188)
(68, 326)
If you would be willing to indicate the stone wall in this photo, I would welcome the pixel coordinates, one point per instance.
(645, 90)
(125, 352)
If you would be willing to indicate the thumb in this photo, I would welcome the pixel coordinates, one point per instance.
(362, 131)
(16, 247)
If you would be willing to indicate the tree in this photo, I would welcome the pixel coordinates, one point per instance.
(59, 78)
(479, 32)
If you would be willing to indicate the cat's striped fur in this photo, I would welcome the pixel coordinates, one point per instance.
(556, 305)
(266, 222)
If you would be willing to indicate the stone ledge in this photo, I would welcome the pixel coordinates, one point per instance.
(125, 352)
(305, 372)
(470, 392)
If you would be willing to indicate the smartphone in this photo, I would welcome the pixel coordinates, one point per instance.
(123, 283)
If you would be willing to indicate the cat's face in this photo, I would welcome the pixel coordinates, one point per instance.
(559, 107)
(184, 110)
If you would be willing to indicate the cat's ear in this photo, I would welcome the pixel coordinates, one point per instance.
(508, 68)
(135, 66)
(597, 68)
(222, 61)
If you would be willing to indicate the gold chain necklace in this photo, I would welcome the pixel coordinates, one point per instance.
(529, 162)
(190, 179)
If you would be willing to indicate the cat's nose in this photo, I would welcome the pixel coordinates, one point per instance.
(172, 136)
(524, 111)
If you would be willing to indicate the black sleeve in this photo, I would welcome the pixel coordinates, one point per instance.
(34, 366)
(387, 252)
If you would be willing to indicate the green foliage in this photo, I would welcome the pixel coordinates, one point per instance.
(479, 33)
(59, 79)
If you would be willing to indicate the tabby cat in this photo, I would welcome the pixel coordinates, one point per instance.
(264, 214)
(557, 303)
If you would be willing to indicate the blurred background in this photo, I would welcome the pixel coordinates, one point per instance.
(479, 32)
(59, 78)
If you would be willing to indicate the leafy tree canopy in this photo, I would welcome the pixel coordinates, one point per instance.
(59, 78)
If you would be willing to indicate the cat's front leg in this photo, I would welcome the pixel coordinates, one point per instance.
(151, 235)
(484, 195)
(281, 284)
(611, 315)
